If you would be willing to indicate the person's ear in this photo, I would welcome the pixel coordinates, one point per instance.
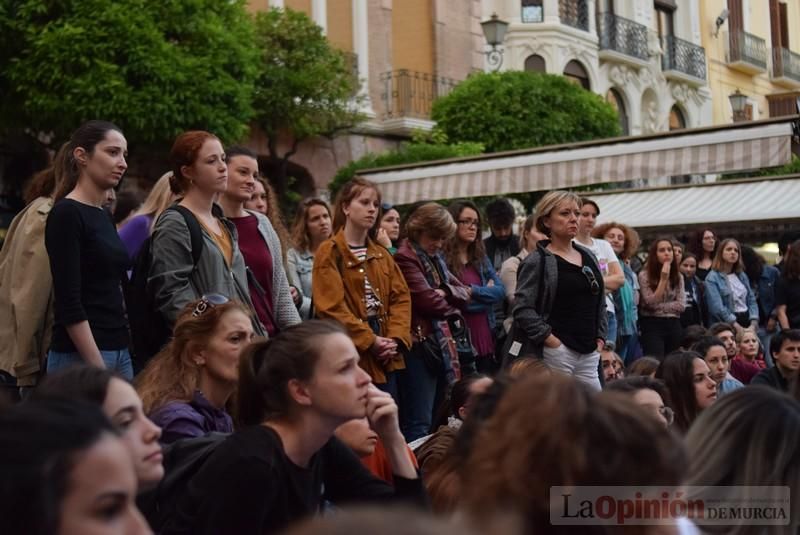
(299, 392)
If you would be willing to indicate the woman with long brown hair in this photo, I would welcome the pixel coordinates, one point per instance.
(88, 261)
(357, 283)
(703, 244)
(662, 300)
(729, 296)
(265, 201)
(185, 389)
(312, 226)
(467, 260)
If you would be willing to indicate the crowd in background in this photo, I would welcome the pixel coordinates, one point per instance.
(194, 366)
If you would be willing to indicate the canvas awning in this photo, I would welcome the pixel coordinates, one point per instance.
(734, 201)
(741, 146)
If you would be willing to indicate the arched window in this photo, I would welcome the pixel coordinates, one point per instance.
(535, 63)
(615, 99)
(575, 72)
(677, 121)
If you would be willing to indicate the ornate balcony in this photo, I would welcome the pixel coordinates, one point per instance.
(574, 13)
(683, 60)
(408, 96)
(747, 53)
(785, 67)
(622, 40)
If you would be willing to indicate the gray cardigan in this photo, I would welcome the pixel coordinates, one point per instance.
(173, 280)
(282, 304)
(531, 310)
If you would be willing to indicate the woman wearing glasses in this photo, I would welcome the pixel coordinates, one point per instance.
(199, 171)
(559, 308)
(662, 300)
(467, 260)
(186, 388)
(312, 226)
(357, 283)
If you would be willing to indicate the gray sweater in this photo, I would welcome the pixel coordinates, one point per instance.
(533, 301)
(174, 281)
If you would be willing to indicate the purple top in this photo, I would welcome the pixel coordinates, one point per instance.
(134, 232)
(179, 419)
(477, 322)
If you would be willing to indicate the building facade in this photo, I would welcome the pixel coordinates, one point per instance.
(406, 54)
(750, 50)
(645, 57)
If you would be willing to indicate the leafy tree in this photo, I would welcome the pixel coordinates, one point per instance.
(517, 109)
(305, 87)
(154, 68)
(414, 152)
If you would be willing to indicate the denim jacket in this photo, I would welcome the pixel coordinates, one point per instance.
(485, 297)
(766, 291)
(719, 298)
(300, 266)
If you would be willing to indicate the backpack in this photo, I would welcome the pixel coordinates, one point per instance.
(149, 330)
(182, 460)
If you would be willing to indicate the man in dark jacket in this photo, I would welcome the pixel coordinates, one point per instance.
(785, 348)
(500, 246)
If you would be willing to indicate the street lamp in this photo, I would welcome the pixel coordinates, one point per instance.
(738, 105)
(494, 30)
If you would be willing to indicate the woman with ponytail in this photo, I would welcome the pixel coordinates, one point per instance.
(285, 463)
(88, 261)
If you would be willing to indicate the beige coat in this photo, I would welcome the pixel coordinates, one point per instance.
(26, 294)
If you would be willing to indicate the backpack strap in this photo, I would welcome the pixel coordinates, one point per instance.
(195, 232)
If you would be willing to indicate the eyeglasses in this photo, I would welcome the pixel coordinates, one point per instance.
(469, 223)
(593, 284)
(208, 301)
(668, 414)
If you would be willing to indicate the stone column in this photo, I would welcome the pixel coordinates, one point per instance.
(276, 3)
(319, 14)
(361, 48)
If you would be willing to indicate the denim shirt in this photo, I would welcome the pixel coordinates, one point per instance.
(300, 266)
(719, 298)
(485, 297)
(766, 291)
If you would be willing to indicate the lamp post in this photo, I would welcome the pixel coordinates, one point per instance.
(738, 105)
(494, 30)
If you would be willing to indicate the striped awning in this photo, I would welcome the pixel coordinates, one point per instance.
(734, 201)
(730, 148)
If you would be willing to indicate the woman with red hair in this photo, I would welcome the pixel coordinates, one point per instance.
(200, 173)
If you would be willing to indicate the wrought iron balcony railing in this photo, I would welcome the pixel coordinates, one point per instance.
(411, 94)
(683, 56)
(622, 35)
(785, 63)
(574, 13)
(747, 48)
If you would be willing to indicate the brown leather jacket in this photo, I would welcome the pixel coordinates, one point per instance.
(337, 287)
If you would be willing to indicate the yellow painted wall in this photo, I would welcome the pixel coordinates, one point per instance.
(412, 35)
(340, 24)
(299, 5)
(723, 80)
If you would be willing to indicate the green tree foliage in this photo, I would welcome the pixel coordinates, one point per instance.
(154, 68)
(305, 87)
(517, 110)
(407, 153)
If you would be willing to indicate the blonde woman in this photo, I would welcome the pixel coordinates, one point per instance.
(140, 226)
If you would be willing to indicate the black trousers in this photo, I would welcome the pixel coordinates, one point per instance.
(660, 336)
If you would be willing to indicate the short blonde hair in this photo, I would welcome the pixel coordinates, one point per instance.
(431, 218)
(548, 203)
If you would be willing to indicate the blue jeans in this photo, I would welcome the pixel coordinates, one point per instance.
(611, 335)
(118, 360)
(418, 395)
(390, 386)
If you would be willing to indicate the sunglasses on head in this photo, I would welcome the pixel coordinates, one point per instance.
(208, 301)
(593, 284)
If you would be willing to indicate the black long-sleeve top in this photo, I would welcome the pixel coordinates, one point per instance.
(249, 486)
(88, 262)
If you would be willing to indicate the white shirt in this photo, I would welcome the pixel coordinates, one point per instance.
(605, 255)
(739, 292)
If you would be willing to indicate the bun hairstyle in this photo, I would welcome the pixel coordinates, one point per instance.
(266, 367)
(66, 170)
(184, 153)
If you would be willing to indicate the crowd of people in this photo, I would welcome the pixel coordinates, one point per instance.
(193, 366)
